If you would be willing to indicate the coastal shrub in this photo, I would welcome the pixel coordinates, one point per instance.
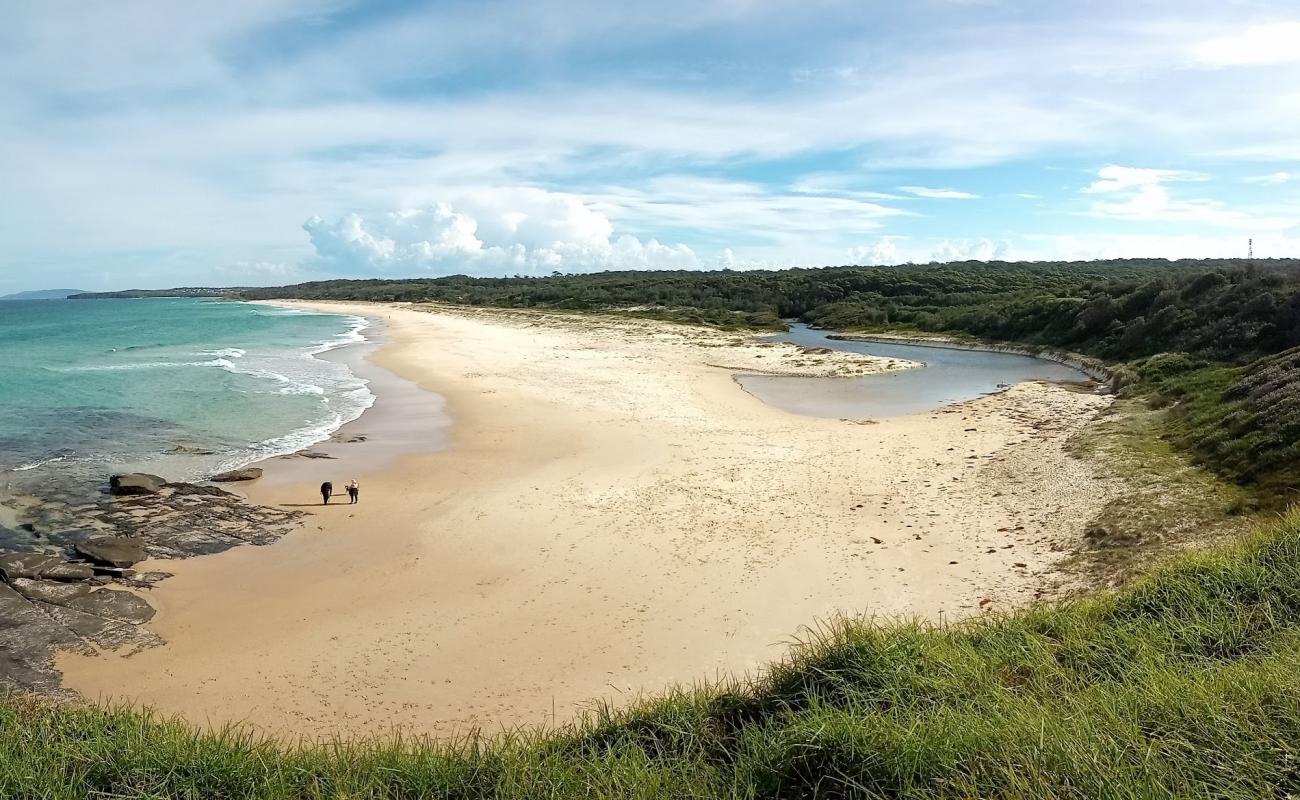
(1242, 422)
(1174, 330)
(1184, 685)
(1220, 309)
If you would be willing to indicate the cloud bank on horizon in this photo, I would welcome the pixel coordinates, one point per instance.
(266, 141)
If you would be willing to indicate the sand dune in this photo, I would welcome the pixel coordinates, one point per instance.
(613, 514)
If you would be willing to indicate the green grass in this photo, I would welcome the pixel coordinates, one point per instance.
(1241, 421)
(1186, 684)
(1167, 503)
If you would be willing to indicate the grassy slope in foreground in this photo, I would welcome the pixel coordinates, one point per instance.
(1183, 685)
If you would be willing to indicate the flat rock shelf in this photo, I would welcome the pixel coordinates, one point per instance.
(67, 566)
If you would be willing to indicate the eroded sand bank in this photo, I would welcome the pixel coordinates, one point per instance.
(613, 514)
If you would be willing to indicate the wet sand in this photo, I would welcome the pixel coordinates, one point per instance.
(612, 514)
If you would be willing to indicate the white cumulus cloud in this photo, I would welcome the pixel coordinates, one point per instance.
(971, 250)
(882, 253)
(522, 230)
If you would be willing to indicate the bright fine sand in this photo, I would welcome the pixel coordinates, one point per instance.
(612, 514)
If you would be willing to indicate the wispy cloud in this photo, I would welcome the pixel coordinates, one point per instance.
(938, 194)
(1269, 43)
(1273, 178)
(145, 136)
(1139, 194)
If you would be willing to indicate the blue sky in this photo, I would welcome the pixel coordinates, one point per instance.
(253, 142)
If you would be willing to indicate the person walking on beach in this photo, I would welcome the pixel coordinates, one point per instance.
(354, 491)
(326, 491)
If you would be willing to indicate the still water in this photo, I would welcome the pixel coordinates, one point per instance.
(948, 376)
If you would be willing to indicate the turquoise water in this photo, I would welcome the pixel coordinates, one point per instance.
(180, 387)
(946, 376)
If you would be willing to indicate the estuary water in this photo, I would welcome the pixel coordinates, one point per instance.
(181, 387)
(947, 376)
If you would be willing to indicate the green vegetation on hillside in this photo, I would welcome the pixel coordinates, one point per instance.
(1119, 310)
(1206, 337)
(1241, 421)
(1183, 685)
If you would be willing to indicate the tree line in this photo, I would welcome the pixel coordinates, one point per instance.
(1219, 339)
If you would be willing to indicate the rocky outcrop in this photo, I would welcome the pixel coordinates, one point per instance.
(55, 566)
(28, 639)
(307, 454)
(235, 475)
(135, 483)
(113, 604)
(26, 565)
(115, 551)
(69, 572)
(51, 592)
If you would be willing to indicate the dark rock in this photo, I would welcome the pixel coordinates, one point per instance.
(28, 639)
(16, 540)
(180, 520)
(68, 538)
(196, 490)
(101, 630)
(310, 454)
(113, 572)
(135, 483)
(234, 475)
(113, 604)
(50, 591)
(145, 580)
(26, 565)
(191, 450)
(69, 572)
(115, 551)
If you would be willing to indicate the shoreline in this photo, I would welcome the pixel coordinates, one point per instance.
(612, 515)
(403, 419)
(1091, 367)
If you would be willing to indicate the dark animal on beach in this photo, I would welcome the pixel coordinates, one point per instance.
(326, 491)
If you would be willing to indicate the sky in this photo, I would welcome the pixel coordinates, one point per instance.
(153, 144)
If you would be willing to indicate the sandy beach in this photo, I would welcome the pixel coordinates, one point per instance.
(611, 514)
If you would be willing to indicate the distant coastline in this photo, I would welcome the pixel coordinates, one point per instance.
(41, 294)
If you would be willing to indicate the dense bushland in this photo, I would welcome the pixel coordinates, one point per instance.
(1227, 310)
(1182, 686)
(1188, 327)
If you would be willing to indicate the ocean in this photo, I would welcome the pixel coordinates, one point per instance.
(180, 387)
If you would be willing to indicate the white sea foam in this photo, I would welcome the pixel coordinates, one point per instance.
(143, 365)
(38, 463)
(225, 352)
(353, 335)
(302, 388)
(347, 398)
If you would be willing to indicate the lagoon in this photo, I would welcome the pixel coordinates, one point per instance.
(944, 376)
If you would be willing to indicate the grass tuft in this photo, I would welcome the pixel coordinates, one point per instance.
(1183, 685)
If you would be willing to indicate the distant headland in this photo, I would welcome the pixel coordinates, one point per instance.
(42, 294)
